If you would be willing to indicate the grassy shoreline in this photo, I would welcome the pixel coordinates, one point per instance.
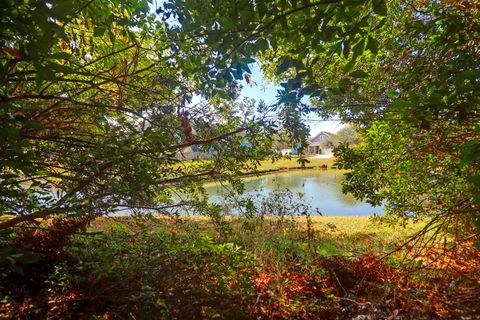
(292, 163)
(280, 164)
(342, 235)
(283, 165)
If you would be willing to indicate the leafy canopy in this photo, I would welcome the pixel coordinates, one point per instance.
(406, 74)
(95, 112)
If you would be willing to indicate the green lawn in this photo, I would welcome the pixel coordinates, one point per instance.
(293, 163)
(268, 165)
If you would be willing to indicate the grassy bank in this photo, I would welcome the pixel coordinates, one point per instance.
(282, 164)
(293, 163)
(271, 268)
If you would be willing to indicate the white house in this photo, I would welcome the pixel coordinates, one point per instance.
(319, 144)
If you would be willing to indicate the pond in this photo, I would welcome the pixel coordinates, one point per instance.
(321, 189)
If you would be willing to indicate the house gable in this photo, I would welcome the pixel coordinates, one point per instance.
(319, 138)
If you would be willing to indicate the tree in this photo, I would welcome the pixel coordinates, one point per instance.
(95, 107)
(346, 135)
(414, 158)
(405, 74)
(286, 35)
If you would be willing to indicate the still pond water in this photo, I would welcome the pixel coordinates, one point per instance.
(321, 189)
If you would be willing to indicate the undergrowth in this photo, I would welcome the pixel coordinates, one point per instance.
(127, 268)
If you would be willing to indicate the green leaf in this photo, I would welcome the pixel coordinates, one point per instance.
(262, 9)
(29, 257)
(17, 269)
(379, 25)
(228, 76)
(349, 66)
(284, 64)
(45, 73)
(474, 180)
(358, 49)
(111, 36)
(63, 9)
(56, 67)
(34, 124)
(372, 45)
(99, 31)
(249, 60)
(3, 73)
(346, 49)
(61, 55)
(261, 44)
(10, 131)
(392, 93)
(471, 152)
(358, 74)
(245, 67)
(379, 7)
(238, 74)
(335, 90)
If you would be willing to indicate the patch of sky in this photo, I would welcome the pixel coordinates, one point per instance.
(261, 89)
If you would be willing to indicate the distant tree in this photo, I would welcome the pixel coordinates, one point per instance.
(282, 140)
(346, 135)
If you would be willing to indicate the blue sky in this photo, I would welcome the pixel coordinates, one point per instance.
(261, 89)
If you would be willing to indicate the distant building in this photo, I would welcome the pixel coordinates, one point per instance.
(205, 153)
(320, 143)
(285, 151)
(194, 152)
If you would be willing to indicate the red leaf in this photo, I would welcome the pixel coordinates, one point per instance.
(13, 52)
(247, 78)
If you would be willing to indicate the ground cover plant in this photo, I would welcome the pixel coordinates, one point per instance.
(188, 269)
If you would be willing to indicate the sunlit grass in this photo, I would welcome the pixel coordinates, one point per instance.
(332, 235)
(268, 165)
(293, 163)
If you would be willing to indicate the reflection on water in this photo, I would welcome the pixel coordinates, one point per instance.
(322, 189)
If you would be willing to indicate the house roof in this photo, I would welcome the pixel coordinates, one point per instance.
(316, 138)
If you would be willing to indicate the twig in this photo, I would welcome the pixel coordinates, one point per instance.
(353, 301)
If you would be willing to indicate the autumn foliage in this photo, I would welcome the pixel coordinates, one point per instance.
(171, 271)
